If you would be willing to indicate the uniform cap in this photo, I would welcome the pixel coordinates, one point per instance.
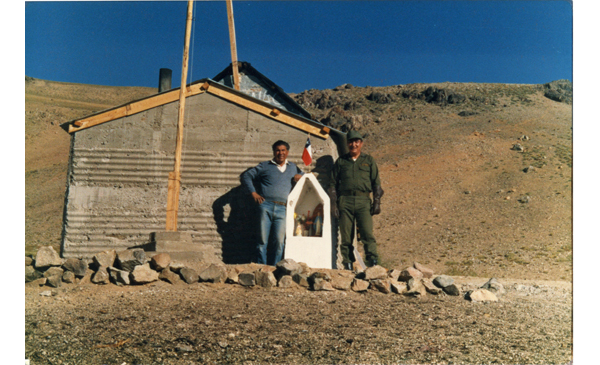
(353, 135)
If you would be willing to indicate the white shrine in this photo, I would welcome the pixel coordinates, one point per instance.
(308, 225)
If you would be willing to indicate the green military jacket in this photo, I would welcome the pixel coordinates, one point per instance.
(361, 175)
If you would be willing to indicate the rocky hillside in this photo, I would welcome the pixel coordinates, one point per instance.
(477, 177)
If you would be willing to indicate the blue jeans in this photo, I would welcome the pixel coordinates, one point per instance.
(272, 232)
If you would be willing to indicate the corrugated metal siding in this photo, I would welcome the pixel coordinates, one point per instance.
(104, 166)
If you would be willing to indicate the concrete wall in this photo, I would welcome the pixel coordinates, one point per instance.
(117, 188)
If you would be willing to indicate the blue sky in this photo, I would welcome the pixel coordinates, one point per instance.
(303, 44)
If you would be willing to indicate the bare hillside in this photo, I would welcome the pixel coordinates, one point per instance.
(457, 197)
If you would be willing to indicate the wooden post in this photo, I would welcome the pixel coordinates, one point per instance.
(234, 61)
(175, 176)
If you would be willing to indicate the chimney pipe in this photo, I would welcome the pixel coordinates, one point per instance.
(164, 79)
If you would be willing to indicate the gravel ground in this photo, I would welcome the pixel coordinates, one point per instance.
(160, 323)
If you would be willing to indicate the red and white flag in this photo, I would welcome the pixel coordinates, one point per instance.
(307, 154)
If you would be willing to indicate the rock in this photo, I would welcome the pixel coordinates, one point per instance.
(375, 272)
(321, 284)
(54, 281)
(529, 169)
(287, 267)
(525, 199)
(169, 276)
(28, 261)
(68, 277)
(184, 348)
(443, 281)
(430, 287)
(47, 293)
(128, 259)
(176, 266)
(494, 286)
(47, 256)
(481, 295)
(394, 274)
(87, 278)
(415, 288)
(286, 281)
(232, 276)
(54, 271)
(76, 266)
(213, 274)
(380, 98)
(265, 279)
(359, 285)
(319, 275)
(104, 259)
(301, 279)
(101, 276)
(268, 268)
(398, 287)
(382, 285)
(32, 274)
(160, 261)
(189, 275)
(119, 277)
(340, 282)
(410, 273)
(317, 281)
(427, 272)
(247, 278)
(451, 290)
(517, 147)
(306, 270)
(36, 283)
(143, 274)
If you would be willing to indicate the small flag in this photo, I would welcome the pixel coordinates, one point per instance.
(307, 154)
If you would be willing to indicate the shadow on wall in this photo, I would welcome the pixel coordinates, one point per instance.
(238, 230)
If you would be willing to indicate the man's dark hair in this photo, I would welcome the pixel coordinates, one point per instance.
(281, 143)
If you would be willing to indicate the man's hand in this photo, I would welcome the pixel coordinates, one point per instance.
(376, 207)
(297, 177)
(377, 194)
(257, 198)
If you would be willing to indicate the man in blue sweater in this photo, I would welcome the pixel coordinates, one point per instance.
(270, 183)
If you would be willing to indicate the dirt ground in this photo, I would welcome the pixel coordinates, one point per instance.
(206, 323)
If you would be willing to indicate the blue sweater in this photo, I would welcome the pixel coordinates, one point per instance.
(266, 180)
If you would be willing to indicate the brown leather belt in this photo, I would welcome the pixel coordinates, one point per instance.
(279, 203)
(355, 193)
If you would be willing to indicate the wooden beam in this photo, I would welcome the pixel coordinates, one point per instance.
(133, 108)
(312, 128)
(195, 89)
(173, 186)
(175, 176)
(234, 60)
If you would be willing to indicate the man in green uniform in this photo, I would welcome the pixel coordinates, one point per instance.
(353, 177)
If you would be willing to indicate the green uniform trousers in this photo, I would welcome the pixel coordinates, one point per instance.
(356, 208)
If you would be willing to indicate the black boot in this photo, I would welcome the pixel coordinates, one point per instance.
(348, 266)
(373, 262)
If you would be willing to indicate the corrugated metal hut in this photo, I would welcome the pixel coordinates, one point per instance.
(120, 158)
